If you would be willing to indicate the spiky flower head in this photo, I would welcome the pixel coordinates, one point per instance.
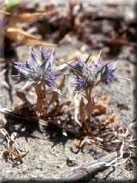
(90, 76)
(85, 76)
(106, 72)
(36, 70)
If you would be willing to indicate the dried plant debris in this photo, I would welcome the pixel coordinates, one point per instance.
(109, 29)
(15, 23)
(83, 173)
(101, 105)
(12, 152)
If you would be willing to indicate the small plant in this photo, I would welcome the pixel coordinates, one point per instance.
(38, 73)
(87, 78)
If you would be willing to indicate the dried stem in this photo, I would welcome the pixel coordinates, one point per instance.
(84, 109)
(88, 109)
(41, 104)
(84, 173)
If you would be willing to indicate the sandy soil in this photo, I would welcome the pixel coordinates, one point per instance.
(48, 157)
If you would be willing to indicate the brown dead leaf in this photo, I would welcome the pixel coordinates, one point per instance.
(101, 105)
(22, 38)
(55, 95)
(54, 98)
(28, 17)
(59, 108)
(110, 119)
(22, 96)
(20, 32)
(62, 84)
(34, 42)
(115, 121)
(82, 111)
(90, 105)
(25, 108)
(41, 104)
(11, 156)
(79, 144)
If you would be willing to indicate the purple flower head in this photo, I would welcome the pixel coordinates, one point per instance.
(2, 23)
(81, 83)
(90, 76)
(37, 70)
(81, 66)
(84, 75)
(106, 72)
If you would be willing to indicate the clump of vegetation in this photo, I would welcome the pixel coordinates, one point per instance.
(42, 73)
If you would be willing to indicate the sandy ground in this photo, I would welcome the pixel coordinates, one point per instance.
(46, 154)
